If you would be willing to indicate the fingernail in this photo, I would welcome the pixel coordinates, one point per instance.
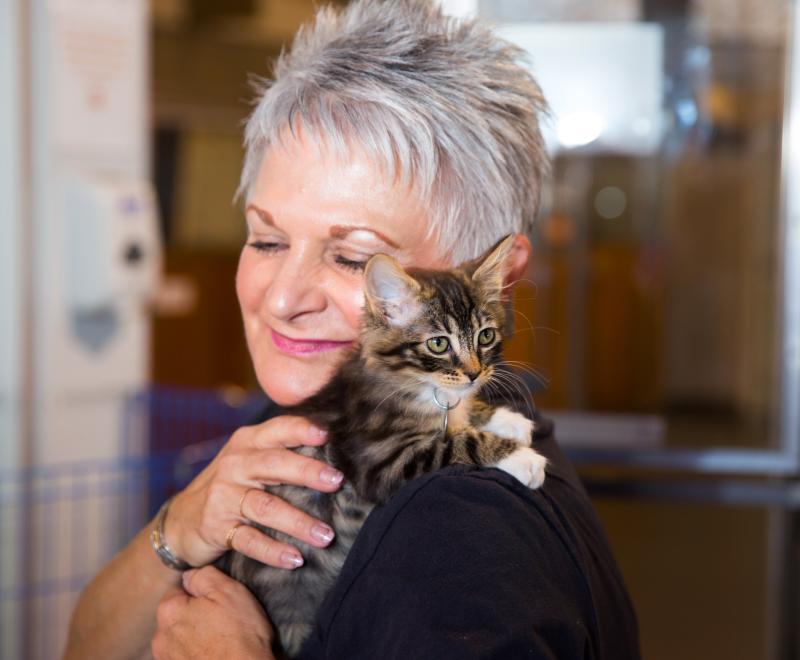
(322, 533)
(331, 476)
(291, 560)
(320, 433)
(187, 575)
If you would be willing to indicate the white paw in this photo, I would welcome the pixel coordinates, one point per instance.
(525, 465)
(511, 426)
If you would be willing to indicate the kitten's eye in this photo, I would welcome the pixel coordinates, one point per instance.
(438, 345)
(486, 336)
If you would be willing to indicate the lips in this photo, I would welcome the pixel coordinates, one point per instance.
(305, 346)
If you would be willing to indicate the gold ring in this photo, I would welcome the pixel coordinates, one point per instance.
(241, 503)
(231, 534)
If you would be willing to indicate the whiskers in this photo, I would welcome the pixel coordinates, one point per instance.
(531, 328)
(526, 280)
(503, 382)
(537, 375)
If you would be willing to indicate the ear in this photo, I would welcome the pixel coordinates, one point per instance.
(517, 260)
(390, 293)
(489, 270)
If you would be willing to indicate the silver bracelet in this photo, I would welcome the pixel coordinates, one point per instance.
(163, 551)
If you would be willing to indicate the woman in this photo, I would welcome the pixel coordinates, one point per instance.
(388, 128)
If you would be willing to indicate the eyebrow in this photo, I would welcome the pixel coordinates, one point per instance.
(341, 231)
(336, 231)
(261, 213)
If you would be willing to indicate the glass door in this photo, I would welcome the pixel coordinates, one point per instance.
(661, 317)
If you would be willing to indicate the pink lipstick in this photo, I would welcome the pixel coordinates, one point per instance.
(304, 346)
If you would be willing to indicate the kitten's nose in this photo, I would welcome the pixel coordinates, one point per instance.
(472, 375)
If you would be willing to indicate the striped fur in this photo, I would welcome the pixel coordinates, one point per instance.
(385, 427)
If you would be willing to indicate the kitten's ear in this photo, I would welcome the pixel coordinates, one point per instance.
(489, 270)
(389, 291)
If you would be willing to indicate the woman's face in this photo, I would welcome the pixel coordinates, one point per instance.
(312, 222)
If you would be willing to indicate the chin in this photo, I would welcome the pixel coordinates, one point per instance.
(289, 384)
(290, 390)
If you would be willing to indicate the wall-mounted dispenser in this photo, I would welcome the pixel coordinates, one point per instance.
(114, 254)
(113, 242)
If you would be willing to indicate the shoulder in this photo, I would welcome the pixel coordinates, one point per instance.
(475, 563)
(461, 506)
(473, 529)
(460, 515)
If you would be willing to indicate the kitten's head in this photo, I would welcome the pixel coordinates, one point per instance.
(436, 328)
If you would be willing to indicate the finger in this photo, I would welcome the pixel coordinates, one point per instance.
(186, 581)
(249, 541)
(170, 607)
(288, 431)
(271, 511)
(158, 646)
(289, 467)
(202, 581)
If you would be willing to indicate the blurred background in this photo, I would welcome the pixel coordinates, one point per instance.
(659, 323)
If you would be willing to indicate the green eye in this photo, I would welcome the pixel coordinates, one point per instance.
(486, 336)
(438, 345)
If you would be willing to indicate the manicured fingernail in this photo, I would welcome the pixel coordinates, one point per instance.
(291, 559)
(331, 476)
(322, 533)
(320, 433)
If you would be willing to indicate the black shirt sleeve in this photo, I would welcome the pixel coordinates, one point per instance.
(467, 563)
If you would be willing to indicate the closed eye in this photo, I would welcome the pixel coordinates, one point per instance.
(350, 263)
(270, 247)
(265, 246)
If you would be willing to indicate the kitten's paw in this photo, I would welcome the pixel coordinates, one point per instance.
(511, 426)
(525, 465)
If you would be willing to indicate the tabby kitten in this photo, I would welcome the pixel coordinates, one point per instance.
(430, 342)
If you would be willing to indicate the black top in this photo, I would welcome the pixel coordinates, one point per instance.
(468, 563)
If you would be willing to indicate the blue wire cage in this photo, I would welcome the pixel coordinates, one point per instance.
(60, 523)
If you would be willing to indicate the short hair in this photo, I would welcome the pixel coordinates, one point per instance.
(442, 104)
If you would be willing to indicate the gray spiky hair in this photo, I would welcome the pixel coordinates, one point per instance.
(441, 104)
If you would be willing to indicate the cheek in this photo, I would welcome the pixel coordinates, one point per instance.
(250, 282)
(350, 300)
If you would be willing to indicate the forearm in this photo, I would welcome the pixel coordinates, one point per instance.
(115, 616)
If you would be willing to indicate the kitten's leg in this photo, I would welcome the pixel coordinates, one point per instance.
(526, 465)
(480, 413)
(477, 447)
(511, 425)
(390, 464)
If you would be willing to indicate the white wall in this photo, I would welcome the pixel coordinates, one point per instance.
(83, 99)
(90, 124)
(9, 236)
(10, 554)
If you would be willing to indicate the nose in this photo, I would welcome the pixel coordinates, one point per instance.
(472, 367)
(295, 290)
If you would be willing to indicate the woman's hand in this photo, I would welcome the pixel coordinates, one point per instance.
(215, 617)
(230, 490)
